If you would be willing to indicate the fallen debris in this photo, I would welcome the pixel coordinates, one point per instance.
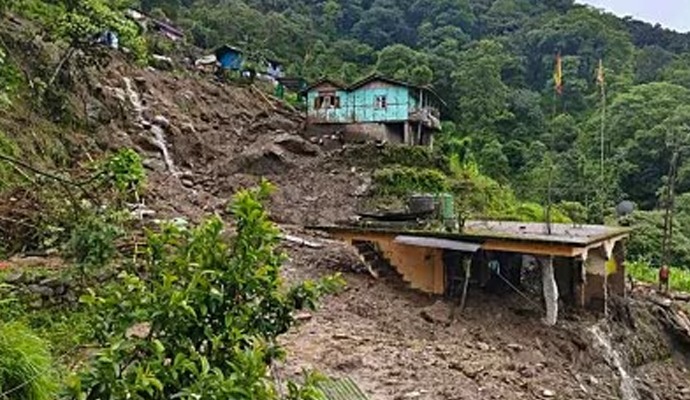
(301, 242)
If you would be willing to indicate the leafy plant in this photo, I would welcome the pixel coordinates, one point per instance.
(125, 171)
(207, 311)
(26, 367)
(404, 181)
(92, 241)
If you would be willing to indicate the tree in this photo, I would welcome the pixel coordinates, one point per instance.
(481, 94)
(403, 63)
(637, 129)
(208, 313)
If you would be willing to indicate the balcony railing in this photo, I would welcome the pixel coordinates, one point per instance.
(429, 116)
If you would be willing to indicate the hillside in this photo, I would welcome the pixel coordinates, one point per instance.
(493, 63)
(97, 156)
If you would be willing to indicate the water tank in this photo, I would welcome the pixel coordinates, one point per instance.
(421, 203)
(447, 211)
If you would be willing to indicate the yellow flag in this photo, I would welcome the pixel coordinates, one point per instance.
(558, 74)
(600, 73)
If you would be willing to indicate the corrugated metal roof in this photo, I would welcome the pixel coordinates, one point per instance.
(341, 389)
(438, 243)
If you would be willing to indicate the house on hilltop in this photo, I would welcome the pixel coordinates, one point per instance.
(233, 58)
(376, 108)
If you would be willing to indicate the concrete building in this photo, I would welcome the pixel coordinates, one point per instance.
(375, 108)
(579, 265)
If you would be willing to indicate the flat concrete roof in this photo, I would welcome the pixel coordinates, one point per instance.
(573, 235)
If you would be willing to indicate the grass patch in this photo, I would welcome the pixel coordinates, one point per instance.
(642, 271)
(26, 367)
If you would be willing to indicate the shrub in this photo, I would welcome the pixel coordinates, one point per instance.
(211, 309)
(26, 368)
(92, 241)
(124, 170)
(402, 181)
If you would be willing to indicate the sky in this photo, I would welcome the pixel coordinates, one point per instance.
(673, 14)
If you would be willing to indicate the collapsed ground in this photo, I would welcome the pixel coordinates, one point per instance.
(394, 342)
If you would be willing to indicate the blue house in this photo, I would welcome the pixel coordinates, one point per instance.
(376, 107)
(229, 57)
(232, 58)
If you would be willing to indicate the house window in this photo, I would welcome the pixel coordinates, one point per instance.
(326, 101)
(381, 102)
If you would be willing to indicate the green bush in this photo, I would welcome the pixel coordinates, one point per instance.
(403, 181)
(214, 308)
(26, 367)
(92, 241)
(124, 170)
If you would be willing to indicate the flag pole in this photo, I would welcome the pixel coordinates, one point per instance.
(602, 154)
(600, 78)
(558, 87)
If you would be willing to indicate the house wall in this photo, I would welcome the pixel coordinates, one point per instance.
(328, 115)
(231, 60)
(363, 107)
(596, 266)
(360, 105)
(421, 267)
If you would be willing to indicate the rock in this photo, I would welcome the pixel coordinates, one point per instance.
(303, 316)
(548, 393)
(15, 277)
(161, 121)
(187, 182)
(412, 395)
(162, 62)
(482, 346)
(469, 369)
(50, 282)
(436, 313)
(515, 347)
(40, 290)
(188, 128)
(60, 290)
(362, 189)
(296, 144)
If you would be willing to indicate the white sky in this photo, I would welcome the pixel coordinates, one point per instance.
(673, 14)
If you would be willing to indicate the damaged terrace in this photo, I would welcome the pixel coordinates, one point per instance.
(575, 265)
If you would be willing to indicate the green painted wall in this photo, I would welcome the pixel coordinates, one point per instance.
(361, 105)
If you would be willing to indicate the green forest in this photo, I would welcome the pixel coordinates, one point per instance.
(492, 61)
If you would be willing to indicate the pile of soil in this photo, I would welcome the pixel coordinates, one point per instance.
(222, 138)
(401, 344)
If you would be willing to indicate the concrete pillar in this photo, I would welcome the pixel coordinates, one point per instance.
(406, 133)
(550, 291)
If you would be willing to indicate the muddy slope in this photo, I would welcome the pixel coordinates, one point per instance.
(396, 343)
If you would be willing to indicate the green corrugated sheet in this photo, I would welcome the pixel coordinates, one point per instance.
(341, 389)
